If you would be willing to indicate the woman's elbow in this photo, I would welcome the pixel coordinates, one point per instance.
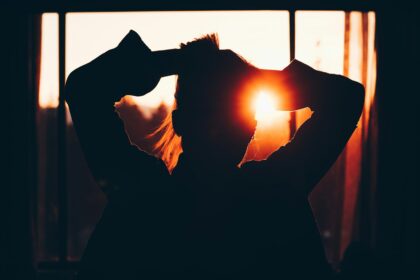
(348, 101)
(74, 84)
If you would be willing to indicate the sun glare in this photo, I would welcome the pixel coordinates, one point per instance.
(264, 105)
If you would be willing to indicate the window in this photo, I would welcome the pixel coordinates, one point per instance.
(69, 203)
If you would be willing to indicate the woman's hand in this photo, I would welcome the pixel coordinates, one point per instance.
(135, 69)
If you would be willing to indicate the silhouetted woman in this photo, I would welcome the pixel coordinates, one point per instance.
(209, 218)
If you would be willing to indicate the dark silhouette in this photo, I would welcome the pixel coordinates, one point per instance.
(209, 218)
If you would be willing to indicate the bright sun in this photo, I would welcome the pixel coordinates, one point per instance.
(264, 105)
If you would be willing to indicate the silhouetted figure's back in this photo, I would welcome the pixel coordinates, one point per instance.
(208, 219)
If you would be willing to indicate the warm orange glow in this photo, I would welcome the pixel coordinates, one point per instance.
(264, 105)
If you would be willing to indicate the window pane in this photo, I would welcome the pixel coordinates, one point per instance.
(47, 210)
(48, 86)
(260, 37)
(320, 40)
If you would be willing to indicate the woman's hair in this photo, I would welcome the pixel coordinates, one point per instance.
(201, 58)
(168, 147)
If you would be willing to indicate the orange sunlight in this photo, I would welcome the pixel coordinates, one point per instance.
(264, 105)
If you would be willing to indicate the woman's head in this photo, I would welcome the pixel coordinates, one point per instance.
(210, 119)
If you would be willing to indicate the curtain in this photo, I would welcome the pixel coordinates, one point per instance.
(343, 202)
(21, 31)
(360, 155)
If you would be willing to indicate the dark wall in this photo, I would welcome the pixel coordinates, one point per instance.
(74, 5)
(17, 59)
(398, 100)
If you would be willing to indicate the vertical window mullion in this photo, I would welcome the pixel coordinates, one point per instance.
(292, 42)
(62, 188)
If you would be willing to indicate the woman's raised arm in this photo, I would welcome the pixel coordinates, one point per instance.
(91, 92)
(336, 102)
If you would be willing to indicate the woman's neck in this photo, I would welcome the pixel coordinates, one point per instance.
(202, 168)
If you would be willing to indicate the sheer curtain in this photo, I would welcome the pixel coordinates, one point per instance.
(360, 154)
(343, 202)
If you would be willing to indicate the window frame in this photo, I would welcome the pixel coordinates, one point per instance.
(159, 5)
